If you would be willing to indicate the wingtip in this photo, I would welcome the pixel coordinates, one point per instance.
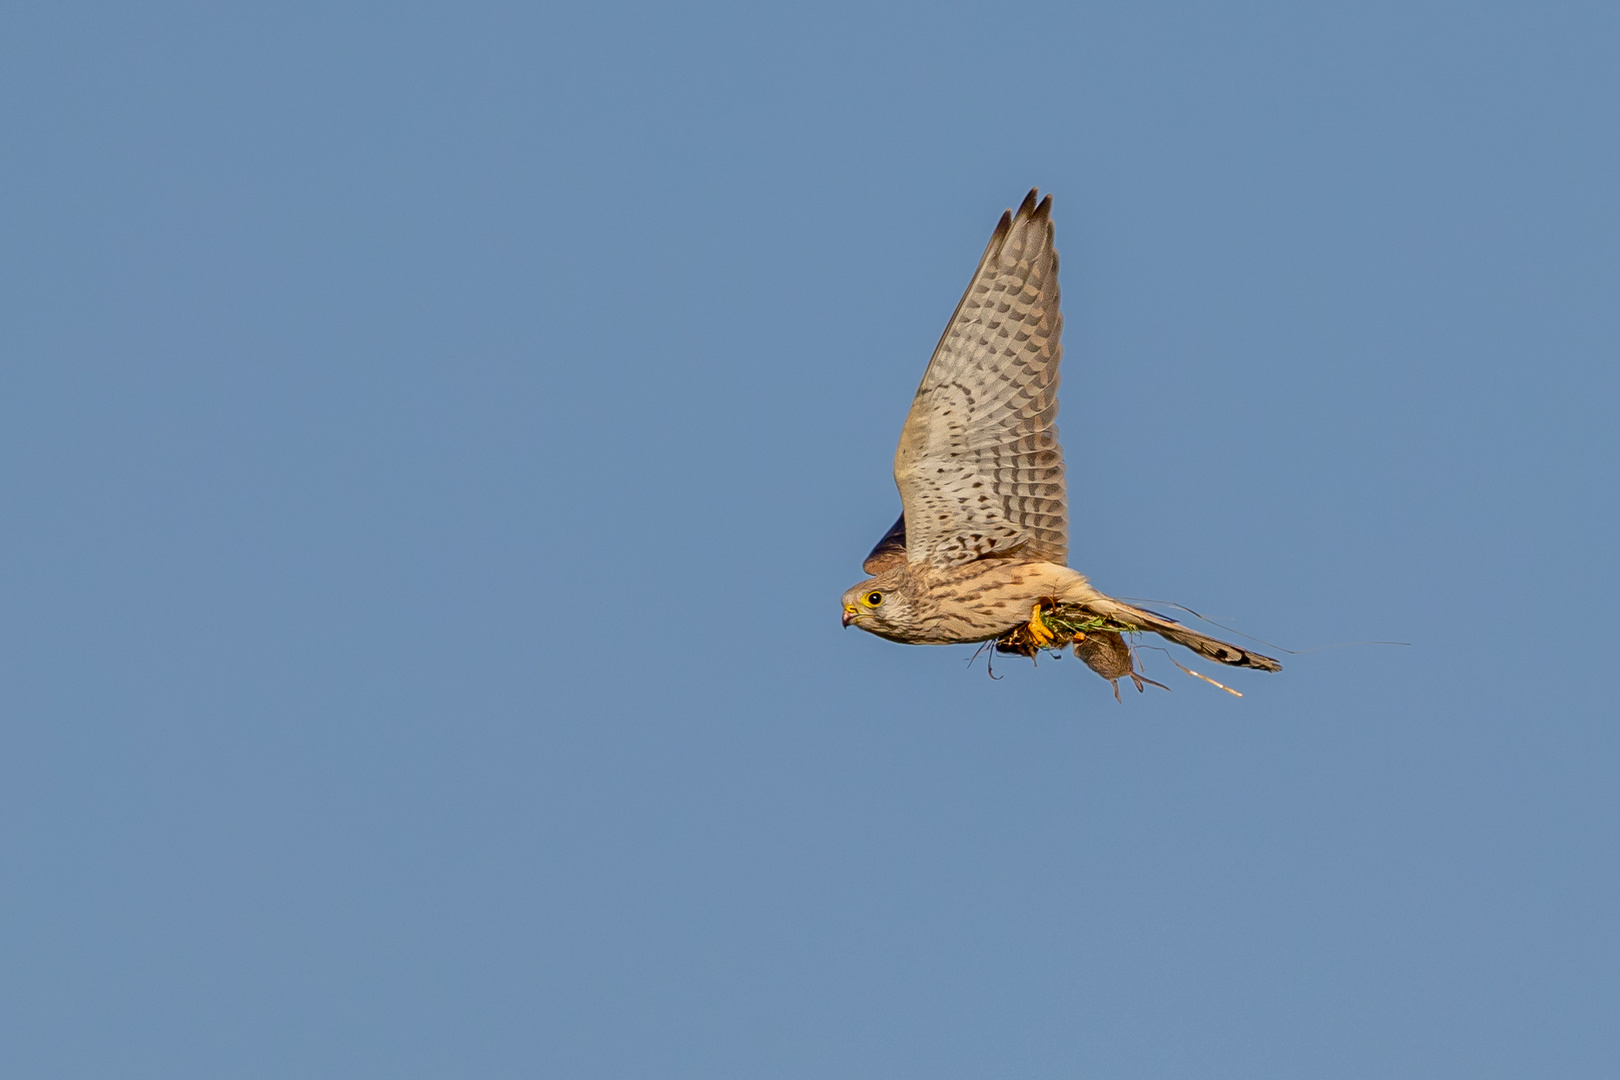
(1034, 207)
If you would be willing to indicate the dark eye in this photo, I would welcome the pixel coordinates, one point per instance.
(873, 599)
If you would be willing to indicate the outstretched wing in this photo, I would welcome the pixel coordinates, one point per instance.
(979, 467)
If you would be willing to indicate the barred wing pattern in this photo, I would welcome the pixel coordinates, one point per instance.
(979, 467)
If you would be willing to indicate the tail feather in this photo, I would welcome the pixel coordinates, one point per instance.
(1166, 627)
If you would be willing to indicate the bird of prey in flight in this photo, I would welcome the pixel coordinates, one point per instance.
(980, 552)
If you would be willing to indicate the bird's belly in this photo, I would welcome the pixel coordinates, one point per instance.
(983, 600)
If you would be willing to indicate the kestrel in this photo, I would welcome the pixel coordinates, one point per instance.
(981, 548)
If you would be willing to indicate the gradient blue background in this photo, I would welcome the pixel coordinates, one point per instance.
(433, 440)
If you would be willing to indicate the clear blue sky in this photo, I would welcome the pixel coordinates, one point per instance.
(433, 441)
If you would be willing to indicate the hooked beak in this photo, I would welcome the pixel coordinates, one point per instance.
(849, 614)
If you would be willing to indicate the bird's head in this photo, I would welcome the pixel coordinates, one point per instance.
(880, 605)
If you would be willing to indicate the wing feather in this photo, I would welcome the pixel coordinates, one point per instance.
(979, 466)
(890, 551)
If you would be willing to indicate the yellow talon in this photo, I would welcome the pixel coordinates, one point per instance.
(1038, 631)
